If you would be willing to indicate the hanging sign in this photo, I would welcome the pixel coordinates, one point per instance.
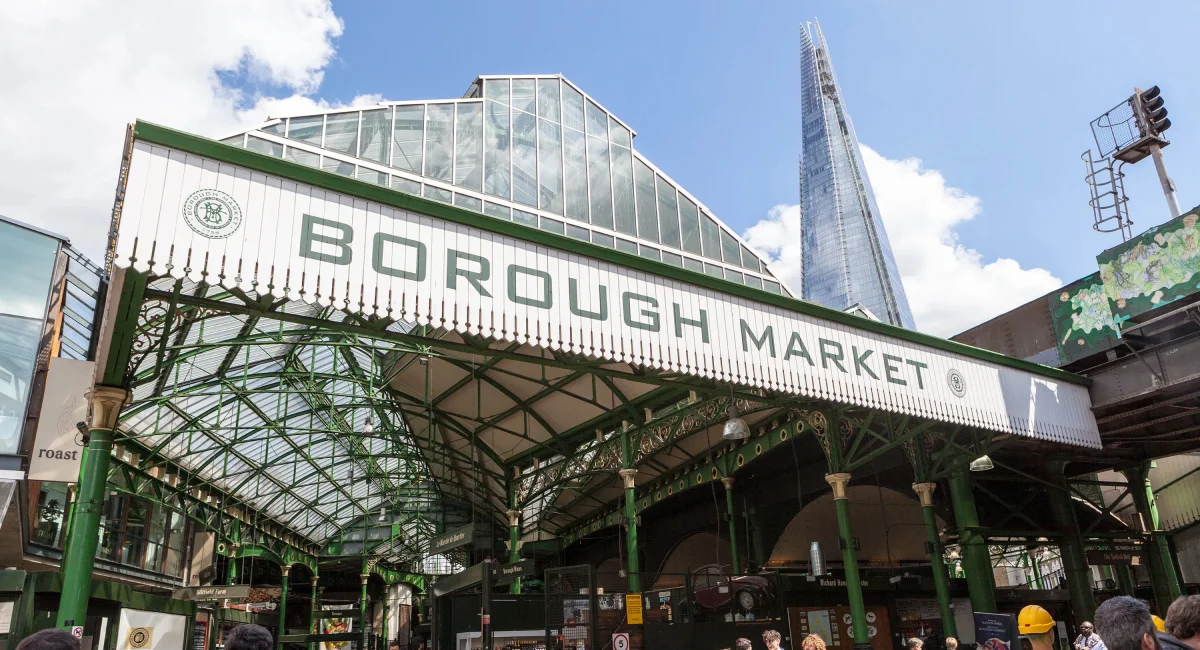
(620, 641)
(452, 539)
(1117, 556)
(507, 574)
(57, 451)
(211, 593)
(209, 221)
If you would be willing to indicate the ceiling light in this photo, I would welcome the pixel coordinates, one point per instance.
(735, 426)
(368, 426)
(982, 464)
(1046, 555)
(952, 554)
(382, 515)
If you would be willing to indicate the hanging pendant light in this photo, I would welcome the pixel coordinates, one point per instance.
(382, 515)
(368, 426)
(1046, 555)
(735, 427)
(982, 464)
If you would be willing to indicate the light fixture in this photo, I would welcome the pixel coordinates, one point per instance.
(735, 426)
(816, 560)
(382, 514)
(368, 426)
(982, 464)
(1046, 555)
(952, 554)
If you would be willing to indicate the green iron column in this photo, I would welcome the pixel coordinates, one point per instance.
(85, 529)
(629, 481)
(514, 544)
(1125, 579)
(1037, 569)
(362, 606)
(858, 610)
(976, 558)
(1070, 546)
(733, 534)
(314, 607)
(1163, 578)
(941, 579)
(283, 594)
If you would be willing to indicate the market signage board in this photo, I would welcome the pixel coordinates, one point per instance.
(56, 453)
(212, 593)
(506, 574)
(452, 539)
(189, 216)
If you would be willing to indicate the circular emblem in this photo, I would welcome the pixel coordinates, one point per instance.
(212, 214)
(956, 382)
(139, 637)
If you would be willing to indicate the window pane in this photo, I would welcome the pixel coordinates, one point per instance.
(497, 210)
(601, 239)
(753, 281)
(524, 158)
(235, 140)
(710, 233)
(134, 544)
(771, 286)
(372, 176)
(647, 213)
(341, 133)
(438, 194)
(627, 246)
(598, 187)
(406, 185)
(376, 129)
(672, 259)
(279, 128)
(572, 107)
(522, 95)
(597, 121)
(689, 225)
(668, 213)
(406, 138)
(550, 181)
(733, 276)
(303, 157)
(331, 164)
(729, 248)
(576, 175)
(48, 519)
(439, 123)
(618, 134)
(552, 225)
(497, 167)
(622, 177)
(693, 264)
(714, 270)
(526, 218)
(547, 91)
(264, 146)
(496, 89)
(468, 202)
(650, 253)
(749, 259)
(306, 129)
(468, 153)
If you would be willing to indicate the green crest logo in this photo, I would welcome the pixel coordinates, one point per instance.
(956, 382)
(212, 214)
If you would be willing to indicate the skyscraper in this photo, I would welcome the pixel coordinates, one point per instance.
(847, 258)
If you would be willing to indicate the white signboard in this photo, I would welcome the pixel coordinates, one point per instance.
(188, 216)
(56, 451)
(142, 630)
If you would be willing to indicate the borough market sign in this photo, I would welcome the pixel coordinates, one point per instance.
(196, 209)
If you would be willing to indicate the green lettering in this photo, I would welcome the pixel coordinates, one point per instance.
(474, 278)
(796, 348)
(308, 237)
(377, 252)
(652, 316)
(573, 294)
(547, 299)
(680, 321)
(888, 369)
(826, 355)
(767, 338)
(919, 366)
(860, 362)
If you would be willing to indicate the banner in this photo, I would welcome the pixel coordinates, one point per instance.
(996, 631)
(193, 217)
(57, 452)
(452, 539)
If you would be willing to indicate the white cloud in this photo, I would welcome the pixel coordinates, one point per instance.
(950, 286)
(75, 74)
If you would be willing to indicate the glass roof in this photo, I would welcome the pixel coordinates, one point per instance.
(532, 149)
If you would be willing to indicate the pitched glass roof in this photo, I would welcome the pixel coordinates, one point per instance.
(532, 149)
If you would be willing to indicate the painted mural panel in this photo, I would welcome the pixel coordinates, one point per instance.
(1083, 319)
(1155, 268)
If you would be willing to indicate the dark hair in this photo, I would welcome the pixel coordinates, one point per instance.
(249, 637)
(1123, 622)
(742, 644)
(771, 635)
(49, 639)
(1183, 617)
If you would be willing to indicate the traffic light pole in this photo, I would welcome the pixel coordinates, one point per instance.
(1167, 184)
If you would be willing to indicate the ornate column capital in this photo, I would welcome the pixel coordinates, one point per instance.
(313, 580)
(514, 518)
(365, 577)
(838, 482)
(727, 482)
(925, 491)
(107, 402)
(285, 569)
(628, 476)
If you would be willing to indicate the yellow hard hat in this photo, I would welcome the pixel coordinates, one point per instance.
(1159, 624)
(1033, 619)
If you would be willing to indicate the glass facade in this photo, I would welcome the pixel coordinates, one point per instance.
(847, 258)
(531, 149)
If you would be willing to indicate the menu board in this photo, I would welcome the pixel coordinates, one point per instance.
(200, 635)
(835, 626)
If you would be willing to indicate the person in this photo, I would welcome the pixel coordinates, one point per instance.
(742, 644)
(49, 639)
(1181, 630)
(951, 643)
(249, 637)
(773, 638)
(812, 642)
(1037, 625)
(1088, 639)
(1125, 624)
(915, 644)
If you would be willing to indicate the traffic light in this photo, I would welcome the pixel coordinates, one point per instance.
(1153, 111)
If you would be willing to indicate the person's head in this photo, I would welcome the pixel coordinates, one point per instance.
(1183, 618)
(742, 644)
(1037, 625)
(914, 643)
(49, 639)
(951, 643)
(249, 637)
(1125, 624)
(812, 642)
(1086, 628)
(772, 639)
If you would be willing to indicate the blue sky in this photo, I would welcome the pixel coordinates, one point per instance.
(997, 96)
